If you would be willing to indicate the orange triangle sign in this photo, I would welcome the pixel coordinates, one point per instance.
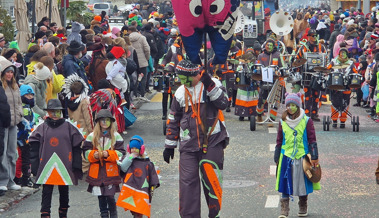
(55, 178)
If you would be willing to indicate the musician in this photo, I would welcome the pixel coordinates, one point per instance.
(341, 98)
(269, 56)
(174, 55)
(312, 97)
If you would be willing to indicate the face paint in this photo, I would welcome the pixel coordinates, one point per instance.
(291, 108)
(187, 81)
(105, 122)
(343, 55)
(269, 47)
(54, 114)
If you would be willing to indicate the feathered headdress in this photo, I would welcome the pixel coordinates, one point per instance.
(69, 81)
(103, 99)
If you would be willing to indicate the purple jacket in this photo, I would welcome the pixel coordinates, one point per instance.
(183, 127)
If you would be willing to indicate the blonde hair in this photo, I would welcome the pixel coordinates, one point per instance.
(97, 133)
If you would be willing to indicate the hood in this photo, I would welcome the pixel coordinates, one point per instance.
(72, 105)
(4, 63)
(135, 36)
(75, 27)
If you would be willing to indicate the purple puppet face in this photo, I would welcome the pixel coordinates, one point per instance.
(215, 17)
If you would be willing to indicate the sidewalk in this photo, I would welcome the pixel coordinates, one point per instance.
(13, 197)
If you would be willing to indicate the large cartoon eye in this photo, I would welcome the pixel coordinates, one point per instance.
(217, 6)
(196, 8)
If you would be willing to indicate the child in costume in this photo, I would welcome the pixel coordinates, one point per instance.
(137, 191)
(56, 157)
(24, 128)
(103, 148)
(296, 138)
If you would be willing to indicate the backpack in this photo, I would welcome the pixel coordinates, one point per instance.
(131, 66)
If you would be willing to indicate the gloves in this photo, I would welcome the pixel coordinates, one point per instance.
(167, 153)
(207, 81)
(277, 154)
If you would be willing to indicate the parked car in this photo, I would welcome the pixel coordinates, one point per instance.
(104, 6)
(92, 2)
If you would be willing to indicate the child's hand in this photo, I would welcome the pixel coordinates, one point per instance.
(96, 154)
(105, 154)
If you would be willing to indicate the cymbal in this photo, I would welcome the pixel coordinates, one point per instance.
(320, 69)
(299, 62)
(341, 66)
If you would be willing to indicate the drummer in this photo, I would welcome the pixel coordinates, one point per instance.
(312, 96)
(341, 98)
(270, 56)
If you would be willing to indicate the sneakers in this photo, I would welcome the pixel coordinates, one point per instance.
(357, 104)
(144, 99)
(3, 188)
(14, 187)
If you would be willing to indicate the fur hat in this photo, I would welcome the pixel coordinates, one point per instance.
(293, 98)
(136, 142)
(117, 51)
(187, 68)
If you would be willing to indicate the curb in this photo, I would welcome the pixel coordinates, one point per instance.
(138, 103)
(13, 197)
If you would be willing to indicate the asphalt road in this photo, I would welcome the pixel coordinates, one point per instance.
(348, 161)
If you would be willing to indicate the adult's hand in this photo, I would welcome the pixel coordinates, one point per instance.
(167, 153)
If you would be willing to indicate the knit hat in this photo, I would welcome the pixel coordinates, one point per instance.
(257, 46)
(115, 30)
(117, 51)
(43, 73)
(97, 18)
(187, 68)
(14, 44)
(26, 89)
(293, 98)
(136, 142)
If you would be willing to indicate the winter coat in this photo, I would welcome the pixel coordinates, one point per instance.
(99, 72)
(106, 171)
(160, 45)
(73, 65)
(152, 43)
(15, 104)
(173, 57)
(266, 58)
(142, 48)
(333, 38)
(39, 88)
(183, 126)
(5, 113)
(82, 114)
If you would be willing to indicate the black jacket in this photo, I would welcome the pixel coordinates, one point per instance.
(5, 111)
(151, 41)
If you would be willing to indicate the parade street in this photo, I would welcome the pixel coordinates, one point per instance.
(348, 160)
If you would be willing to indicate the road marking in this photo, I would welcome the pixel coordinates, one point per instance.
(272, 147)
(157, 97)
(272, 201)
(272, 130)
(272, 170)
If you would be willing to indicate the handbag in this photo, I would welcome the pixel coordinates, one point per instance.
(312, 173)
(129, 117)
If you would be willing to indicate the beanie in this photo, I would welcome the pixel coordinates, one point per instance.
(117, 51)
(14, 44)
(43, 73)
(26, 89)
(187, 68)
(293, 98)
(97, 18)
(136, 142)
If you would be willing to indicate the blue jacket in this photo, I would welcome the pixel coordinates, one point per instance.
(73, 65)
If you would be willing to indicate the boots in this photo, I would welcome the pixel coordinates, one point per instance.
(285, 205)
(62, 212)
(104, 214)
(45, 215)
(303, 206)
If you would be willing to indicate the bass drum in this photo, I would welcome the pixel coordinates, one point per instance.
(241, 79)
(318, 83)
(335, 81)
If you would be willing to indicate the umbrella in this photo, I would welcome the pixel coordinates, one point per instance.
(22, 25)
(55, 13)
(41, 10)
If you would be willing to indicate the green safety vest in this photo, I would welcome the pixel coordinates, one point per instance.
(289, 147)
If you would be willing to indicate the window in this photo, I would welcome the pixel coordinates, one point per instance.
(101, 6)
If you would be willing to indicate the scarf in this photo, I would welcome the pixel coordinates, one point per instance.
(294, 122)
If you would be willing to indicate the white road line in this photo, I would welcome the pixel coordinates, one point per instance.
(272, 147)
(272, 201)
(272, 170)
(272, 130)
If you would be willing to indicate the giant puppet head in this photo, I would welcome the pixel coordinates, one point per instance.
(215, 17)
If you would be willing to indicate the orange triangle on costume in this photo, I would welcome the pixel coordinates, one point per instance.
(55, 178)
(140, 200)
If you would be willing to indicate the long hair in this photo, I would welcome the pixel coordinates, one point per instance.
(293, 116)
(13, 83)
(97, 133)
(95, 55)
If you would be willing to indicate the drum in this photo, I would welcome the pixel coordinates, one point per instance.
(284, 72)
(355, 80)
(158, 82)
(257, 72)
(266, 85)
(166, 82)
(276, 72)
(318, 82)
(241, 79)
(335, 81)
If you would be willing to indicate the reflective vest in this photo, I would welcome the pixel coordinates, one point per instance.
(295, 140)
